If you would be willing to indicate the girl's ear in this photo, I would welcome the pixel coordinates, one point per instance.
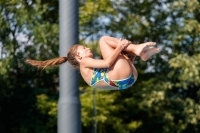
(78, 58)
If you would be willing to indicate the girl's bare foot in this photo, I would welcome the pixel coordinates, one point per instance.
(138, 49)
(148, 51)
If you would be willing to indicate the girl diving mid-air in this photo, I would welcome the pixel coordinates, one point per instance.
(116, 71)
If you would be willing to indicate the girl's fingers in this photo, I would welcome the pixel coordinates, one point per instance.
(124, 42)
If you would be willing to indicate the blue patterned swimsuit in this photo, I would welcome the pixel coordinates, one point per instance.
(100, 74)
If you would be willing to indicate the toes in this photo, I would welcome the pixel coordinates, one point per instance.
(151, 43)
(158, 50)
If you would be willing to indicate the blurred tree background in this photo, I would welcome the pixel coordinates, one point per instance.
(165, 98)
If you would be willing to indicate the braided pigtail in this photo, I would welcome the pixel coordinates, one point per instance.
(47, 63)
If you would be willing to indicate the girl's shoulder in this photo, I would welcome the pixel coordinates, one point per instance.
(85, 61)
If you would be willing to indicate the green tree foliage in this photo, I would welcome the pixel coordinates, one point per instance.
(28, 28)
(165, 97)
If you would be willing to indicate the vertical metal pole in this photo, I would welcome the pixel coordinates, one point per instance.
(1, 52)
(94, 119)
(69, 114)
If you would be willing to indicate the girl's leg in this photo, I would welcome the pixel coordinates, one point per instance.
(108, 44)
(105, 48)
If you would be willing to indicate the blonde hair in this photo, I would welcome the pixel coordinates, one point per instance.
(58, 61)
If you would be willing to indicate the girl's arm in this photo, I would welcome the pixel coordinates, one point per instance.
(94, 63)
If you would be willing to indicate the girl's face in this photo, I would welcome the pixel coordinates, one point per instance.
(83, 52)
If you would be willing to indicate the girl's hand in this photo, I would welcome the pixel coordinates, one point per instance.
(124, 43)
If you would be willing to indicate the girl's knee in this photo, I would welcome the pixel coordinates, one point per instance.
(103, 39)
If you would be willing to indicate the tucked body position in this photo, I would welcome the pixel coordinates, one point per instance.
(116, 71)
